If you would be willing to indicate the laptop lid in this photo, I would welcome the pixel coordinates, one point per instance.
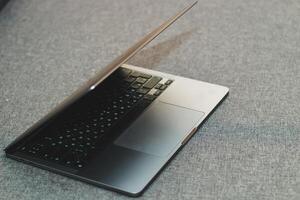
(99, 77)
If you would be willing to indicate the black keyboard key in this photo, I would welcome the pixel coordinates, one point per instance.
(141, 80)
(135, 74)
(147, 76)
(168, 82)
(143, 90)
(79, 164)
(123, 72)
(130, 79)
(158, 86)
(136, 85)
(152, 82)
(157, 93)
(139, 74)
(149, 97)
(48, 138)
(163, 87)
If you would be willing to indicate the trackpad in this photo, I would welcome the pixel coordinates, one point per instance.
(159, 130)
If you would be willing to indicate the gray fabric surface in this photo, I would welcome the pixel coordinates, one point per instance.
(248, 149)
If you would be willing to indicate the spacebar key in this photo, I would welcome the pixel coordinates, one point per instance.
(152, 82)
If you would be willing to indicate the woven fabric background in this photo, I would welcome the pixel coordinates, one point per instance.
(248, 149)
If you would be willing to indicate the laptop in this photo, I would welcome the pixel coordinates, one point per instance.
(122, 127)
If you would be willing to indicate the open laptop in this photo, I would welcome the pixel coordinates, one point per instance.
(122, 127)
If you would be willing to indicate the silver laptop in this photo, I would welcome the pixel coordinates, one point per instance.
(122, 127)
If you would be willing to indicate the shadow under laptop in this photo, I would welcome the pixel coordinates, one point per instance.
(152, 56)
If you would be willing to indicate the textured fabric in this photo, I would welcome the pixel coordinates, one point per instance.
(248, 149)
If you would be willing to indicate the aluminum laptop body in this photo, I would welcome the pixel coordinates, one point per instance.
(140, 146)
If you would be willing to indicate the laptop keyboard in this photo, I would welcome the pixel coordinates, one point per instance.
(87, 126)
